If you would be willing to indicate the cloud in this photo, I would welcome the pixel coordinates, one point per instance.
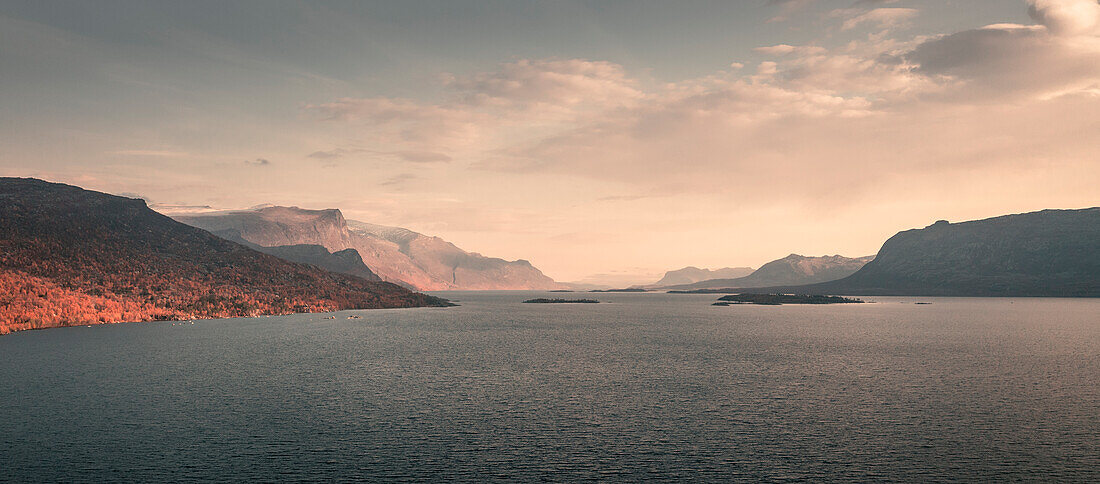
(622, 198)
(170, 208)
(1067, 17)
(784, 49)
(257, 162)
(327, 155)
(511, 102)
(422, 156)
(1058, 56)
(398, 179)
(552, 83)
(882, 18)
(379, 110)
(395, 121)
(153, 153)
(815, 125)
(411, 156)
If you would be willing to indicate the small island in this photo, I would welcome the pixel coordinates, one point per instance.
(629, 289)
(542, 300)
(779, 299)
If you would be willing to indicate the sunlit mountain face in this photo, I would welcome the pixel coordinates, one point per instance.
(397, 255)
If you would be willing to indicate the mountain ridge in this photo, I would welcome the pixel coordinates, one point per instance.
(1050, 252)
(73, 256)
(692, 274)
(396, 254)
(790, 270)
(347, 261)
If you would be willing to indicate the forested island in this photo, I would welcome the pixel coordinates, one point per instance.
(543, 300)
(779, 299)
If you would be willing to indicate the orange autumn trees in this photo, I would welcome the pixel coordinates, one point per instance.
(69, 256)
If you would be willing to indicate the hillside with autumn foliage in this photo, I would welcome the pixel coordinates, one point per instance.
(70, 256)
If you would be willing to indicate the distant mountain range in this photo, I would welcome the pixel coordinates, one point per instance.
(690, 275)
(70, 256)
(791, 270)
(1046, 253)
(395, 254)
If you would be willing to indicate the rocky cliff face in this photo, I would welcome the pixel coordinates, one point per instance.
(72, 256)
(790, 270)
(395, 254)
(1046, 253)
(278, 226)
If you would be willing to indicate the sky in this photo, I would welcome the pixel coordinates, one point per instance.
(604, 141)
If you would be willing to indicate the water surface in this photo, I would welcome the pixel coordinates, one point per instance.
(639, 386)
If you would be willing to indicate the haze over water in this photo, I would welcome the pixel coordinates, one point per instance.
(639, 386)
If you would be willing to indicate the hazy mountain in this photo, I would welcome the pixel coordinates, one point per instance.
(345, 261)
(690, 275)
(583, 286)
(1047, 253)
(72, 256)
(790, 270)
(395, 254)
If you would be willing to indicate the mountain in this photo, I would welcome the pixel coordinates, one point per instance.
(397, 255)
(791, 270)
(345, 261)
(584, 286)
(1047, 253)
(70, 256)
(689, 275)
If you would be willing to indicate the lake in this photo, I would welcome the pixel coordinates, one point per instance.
(641, 386)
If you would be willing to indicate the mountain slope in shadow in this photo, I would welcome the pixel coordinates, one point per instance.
(70, 256)
(1047, 253)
